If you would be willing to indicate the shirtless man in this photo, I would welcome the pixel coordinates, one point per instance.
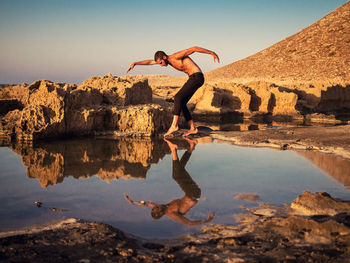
(182, 62)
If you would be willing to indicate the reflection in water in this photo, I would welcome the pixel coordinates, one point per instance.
(222, 171)
(336, 167)
(178, 208)
(51, 162)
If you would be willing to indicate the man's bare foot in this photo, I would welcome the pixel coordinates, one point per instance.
(190, 132)
(171, 130)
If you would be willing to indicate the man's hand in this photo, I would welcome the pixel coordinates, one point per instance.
(128, 198)
(131, 67)
(216, 57)
(210, 217)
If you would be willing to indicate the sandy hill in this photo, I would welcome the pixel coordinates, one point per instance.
(318, 52)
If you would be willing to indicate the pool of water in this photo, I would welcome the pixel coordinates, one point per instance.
(89, 178)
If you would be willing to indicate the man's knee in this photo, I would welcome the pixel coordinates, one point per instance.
(178, 98)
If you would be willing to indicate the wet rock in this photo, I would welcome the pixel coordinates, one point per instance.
(247, 197)
(319, 203)
(274, 237)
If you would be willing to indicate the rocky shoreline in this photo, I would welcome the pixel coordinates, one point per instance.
(303, 78)
(313, 228)
(331, 140)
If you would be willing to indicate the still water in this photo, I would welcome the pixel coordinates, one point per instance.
(92, 179)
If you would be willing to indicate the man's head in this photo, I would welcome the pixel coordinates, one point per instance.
(158, 211)
(161, 58)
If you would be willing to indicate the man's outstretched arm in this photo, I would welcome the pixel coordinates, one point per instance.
(144, 62)
(189, 51)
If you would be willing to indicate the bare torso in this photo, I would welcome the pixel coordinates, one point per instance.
(186, 64)
(181, 206)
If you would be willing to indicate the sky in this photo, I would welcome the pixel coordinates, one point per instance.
(73, 40)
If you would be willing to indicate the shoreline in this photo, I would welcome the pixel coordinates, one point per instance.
(333, 140)
(263, 234)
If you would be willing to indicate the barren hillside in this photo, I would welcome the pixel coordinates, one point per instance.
(318, 52)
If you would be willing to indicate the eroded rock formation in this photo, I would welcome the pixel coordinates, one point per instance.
(318, 102)
(107, 104)
(305, 76)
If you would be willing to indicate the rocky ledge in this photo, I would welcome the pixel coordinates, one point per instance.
(265, 100)
(99, 105)
(313, 228)
(332, 140)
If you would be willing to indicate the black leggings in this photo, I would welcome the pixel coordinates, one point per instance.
(194, 82)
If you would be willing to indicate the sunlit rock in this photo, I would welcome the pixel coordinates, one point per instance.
(100, 105)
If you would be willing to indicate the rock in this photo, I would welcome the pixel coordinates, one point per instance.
(276, 236)
(250, 98)
(315, 53)
(319, 203)
(335, 98)
(247, 197)
(107, 105)
(305, 76)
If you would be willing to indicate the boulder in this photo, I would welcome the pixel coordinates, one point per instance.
(250, 98)
(320, 203)
(106, 104)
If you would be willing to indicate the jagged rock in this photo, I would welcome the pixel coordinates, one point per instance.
(266, 234)
(335, 98)
(319, 203)
(107, 104)
(303, 75)
(119, 91)
(250, 98)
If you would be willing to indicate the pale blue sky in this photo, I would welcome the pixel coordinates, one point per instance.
(69, 41)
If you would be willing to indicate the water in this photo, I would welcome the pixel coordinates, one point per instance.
(90, 178)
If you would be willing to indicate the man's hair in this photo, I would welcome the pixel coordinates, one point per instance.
(157, 214)
(159, 54)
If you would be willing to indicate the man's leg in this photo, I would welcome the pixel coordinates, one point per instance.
(180, 100)
(192, 127)
(178, 107)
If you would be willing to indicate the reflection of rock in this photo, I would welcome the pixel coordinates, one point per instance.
(336, 167)
(99, 105)
(110, 160)
(266, 234)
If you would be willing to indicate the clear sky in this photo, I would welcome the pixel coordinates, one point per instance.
(69, 41)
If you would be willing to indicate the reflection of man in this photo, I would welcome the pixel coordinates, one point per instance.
(177, 208)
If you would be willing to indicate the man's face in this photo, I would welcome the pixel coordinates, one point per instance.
(163, 62)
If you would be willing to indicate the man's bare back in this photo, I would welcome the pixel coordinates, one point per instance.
(182, 62)
(185, 64)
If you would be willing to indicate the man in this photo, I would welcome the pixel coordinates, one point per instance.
(182, 62)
